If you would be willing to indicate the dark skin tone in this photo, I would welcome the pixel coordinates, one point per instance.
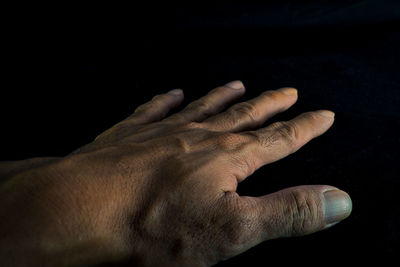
(157, 190)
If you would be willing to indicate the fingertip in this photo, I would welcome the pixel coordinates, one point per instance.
(236, 85)
(326, 113)
(289, 91)
(337, 206)
(176, 92)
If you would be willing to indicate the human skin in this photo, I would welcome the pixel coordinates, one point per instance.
(157, 190)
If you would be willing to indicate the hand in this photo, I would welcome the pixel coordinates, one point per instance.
(162, 191)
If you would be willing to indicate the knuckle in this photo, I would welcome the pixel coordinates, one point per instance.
(179, 143)
(243, 166)
(202, 108)
(254, 137)
(312, 116)
(303, 213)
(287, 132)
(182, 126)
(246, 142)
(247, 109)
(264, 140)
(191, 125)
(202, 105)
(229, 141)
(236, 229)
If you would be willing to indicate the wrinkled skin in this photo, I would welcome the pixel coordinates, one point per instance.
(157, 190)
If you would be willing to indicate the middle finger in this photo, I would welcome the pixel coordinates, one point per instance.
(252, 113)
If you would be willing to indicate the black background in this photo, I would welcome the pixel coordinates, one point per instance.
(70, 72)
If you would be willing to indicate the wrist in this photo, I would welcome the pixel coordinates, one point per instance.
(47, 218)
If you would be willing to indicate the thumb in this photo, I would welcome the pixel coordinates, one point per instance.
(296, 211)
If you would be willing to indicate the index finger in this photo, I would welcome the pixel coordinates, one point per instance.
(280, 139)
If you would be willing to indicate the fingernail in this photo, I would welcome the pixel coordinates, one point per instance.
(326, 113)
(338, 206)
(235, 85)
(288, 91)
(175, 92)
